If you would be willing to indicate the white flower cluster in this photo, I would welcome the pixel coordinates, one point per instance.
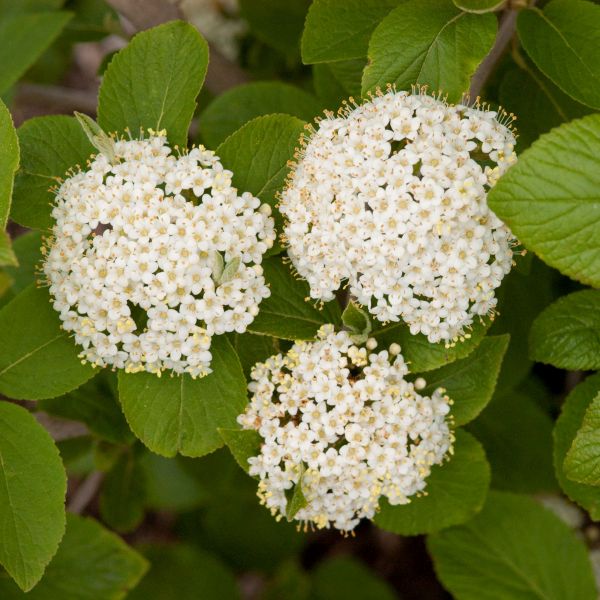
(391, 196)
(346, 426)
(154, 254)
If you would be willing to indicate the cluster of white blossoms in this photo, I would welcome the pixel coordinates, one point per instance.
(391, 197)
(153, 254)
(345, 424)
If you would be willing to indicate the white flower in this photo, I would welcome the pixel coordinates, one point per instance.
(347, 434)
(153, 255)
(391, 197)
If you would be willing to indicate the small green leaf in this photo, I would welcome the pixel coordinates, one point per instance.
(582, 463)
(429, 42)
(24, 38)
(550, 199)
(455, 492)
(567, 333)
(515, 548)
(181, 414)
(37, 358)
(356, 319)
(91, 563)
(9, 162)
(7, 256)
(97, 137)
(286, 313)
(297, 501)
(563, 41)
(340, 29)
(231, 268)
(422, 355)
(33, 484)
(479, 6)
(154, 81)
(234, 108)
(470, 382)
(27, 248)
(50, 146)
(565, 431)
(217, 264)
(242, 443)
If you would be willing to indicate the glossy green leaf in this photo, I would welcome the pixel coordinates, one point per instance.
(550, 199)
(455, 492)
(181, 414)
(516, 549)
(9, 162)
(471, 381)
(33, 484)
(565, 431)
(479, 6)
(234, 108)
(288, 312)
(242, 443)
(340, 29)
(563, 40)
(154, 81)
(356, 319)
(37, 358)
(582, 463)
(336, 82)
(297, 501)
(567, 333)
(90, 564)
(428, 42)
(24, 38)
(50, 146)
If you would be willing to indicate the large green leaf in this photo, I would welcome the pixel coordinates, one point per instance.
(243, 444)
(422, 355)
(24, 38)
(181, 414)
(470, 382)
(517, 436)
(582, 462)
(564, 42)
(455, 492)
(27, 248)
(91, 563)
(336, 82)
(7, 255)
(340, 29)
(33, 484)
(515, 548)
(50, 146)
(37, 358)
(567, 333)
(9, 162)
(430, 42)
(154, 81)
(288, 312)
(229, 111)
(550, 199)
(479, 6)
(252, 348)
(184, 571)
(565, 431)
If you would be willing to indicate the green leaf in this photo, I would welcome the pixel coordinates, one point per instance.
(297, 501)
(243, 444)
(7, 256)
(582, 463)
(185, 572)
(471, 381)
(95, 404)
(340, 29)
(90, 564)
(550, 199)
(567, 333)
(9, 162)
(27, 248)
(33, 485)
(97, 137)
(479, 6)
(429, 42)
(356, 319)
(455, 492)
(345, 578)
(154, 81)
(24, 38)
(50, 146)
(181, 414)
(338, 81)
(517, 436)
(37, 358)
(563, 40)
(234, 108)
(565, 431)
(515, 548)
(252, 348)
(286, 313)
(123, 493)
(423, 355)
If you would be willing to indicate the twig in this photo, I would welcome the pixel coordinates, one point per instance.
(85, 493)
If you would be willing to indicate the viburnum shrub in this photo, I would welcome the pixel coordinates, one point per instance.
(339, 271)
